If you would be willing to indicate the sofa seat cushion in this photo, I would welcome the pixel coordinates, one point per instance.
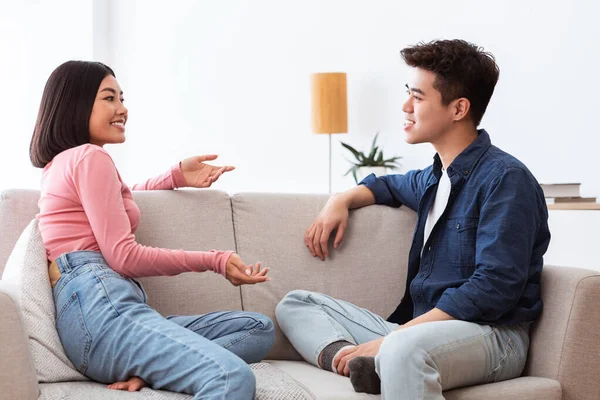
(324, 384)
(98, 391)
(327, 386)
(523, 388)
(272, 383)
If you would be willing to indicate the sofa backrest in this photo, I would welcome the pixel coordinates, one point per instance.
(17, 208)
(181, 219)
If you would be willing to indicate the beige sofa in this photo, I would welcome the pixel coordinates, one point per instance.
(369, 270)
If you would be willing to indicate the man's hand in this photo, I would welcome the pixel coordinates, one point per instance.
(368, 349)
(200, 175)
(238, 273)
(333, 216)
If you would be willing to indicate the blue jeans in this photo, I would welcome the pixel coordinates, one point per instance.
(415, 363)
(110, 334)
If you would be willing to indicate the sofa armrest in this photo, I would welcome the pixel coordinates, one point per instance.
(565, 341)
(18, 380)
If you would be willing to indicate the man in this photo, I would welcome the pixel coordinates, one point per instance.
(474, 267)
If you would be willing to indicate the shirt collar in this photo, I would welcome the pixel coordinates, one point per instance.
(464, 163)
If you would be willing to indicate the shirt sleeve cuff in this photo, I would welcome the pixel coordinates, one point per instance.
(456, 304)
(221, 259)
(378, 187)
(177, 177)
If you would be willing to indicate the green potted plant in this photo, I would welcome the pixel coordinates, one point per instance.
(371, 162)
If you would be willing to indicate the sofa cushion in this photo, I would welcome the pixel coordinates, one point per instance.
(189, 220)
(27, 270)
(271, 384)
(17, 208)
(98, 391)
(324, 384)
(524, 388)
(18, 378)
(565, 341)
(270, 228)
(328, 386)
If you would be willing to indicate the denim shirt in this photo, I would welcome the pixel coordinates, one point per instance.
(483, 259)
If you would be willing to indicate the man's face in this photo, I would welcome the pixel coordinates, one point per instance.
(426, 117)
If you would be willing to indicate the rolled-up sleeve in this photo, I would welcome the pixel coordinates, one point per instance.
(509, 221)
(396, 190)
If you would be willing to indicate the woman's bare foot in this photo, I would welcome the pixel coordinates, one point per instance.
(132, 384)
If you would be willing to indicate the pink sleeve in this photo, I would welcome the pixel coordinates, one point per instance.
(99, 190)
(171, 179)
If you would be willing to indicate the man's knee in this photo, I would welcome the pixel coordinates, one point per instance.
(400, 350)
(294, 299)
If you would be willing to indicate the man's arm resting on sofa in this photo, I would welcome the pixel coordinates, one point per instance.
(18, 380)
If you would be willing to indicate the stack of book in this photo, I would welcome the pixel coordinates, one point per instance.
(567, 196)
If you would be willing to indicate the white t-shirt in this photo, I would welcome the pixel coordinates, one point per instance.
(439, 205)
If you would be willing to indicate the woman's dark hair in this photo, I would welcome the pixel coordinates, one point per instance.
(462, 70)
(63, 120)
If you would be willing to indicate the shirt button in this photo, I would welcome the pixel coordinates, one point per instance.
(457, 226)
(466, 171)
(429, 249)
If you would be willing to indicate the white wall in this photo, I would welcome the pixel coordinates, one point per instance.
(35, 37)
(233, 78)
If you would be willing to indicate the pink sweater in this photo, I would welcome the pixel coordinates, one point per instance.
(85, 205)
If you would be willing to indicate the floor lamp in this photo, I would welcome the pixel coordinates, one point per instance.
(329, 106)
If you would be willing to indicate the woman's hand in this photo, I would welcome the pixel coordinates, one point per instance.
(200, 175)
(239, 273)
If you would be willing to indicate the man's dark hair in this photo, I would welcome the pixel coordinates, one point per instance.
(462, 70)
(63, 120)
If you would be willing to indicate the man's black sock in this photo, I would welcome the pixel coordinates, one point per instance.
(329, 353)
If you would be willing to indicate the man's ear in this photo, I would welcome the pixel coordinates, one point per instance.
(461, 108)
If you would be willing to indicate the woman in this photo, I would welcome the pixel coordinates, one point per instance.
(88, 218)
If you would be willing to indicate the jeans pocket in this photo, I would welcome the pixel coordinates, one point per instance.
(119, 287)
(142, 291)
(510, 365)
(73, 333)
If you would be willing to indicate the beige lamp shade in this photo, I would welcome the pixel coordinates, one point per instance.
(329, 102)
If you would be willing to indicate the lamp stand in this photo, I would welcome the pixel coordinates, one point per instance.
(329, 134)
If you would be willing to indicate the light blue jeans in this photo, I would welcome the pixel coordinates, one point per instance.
(415, 363)
(110, 334)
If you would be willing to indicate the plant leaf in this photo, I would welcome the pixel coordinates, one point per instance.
(354, 152)
(352, 169)
(372, 154)
(374, 140)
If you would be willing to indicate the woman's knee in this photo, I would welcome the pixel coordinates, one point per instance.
(241, 382)
(266, 324)
(265, 334)
(228, 377)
